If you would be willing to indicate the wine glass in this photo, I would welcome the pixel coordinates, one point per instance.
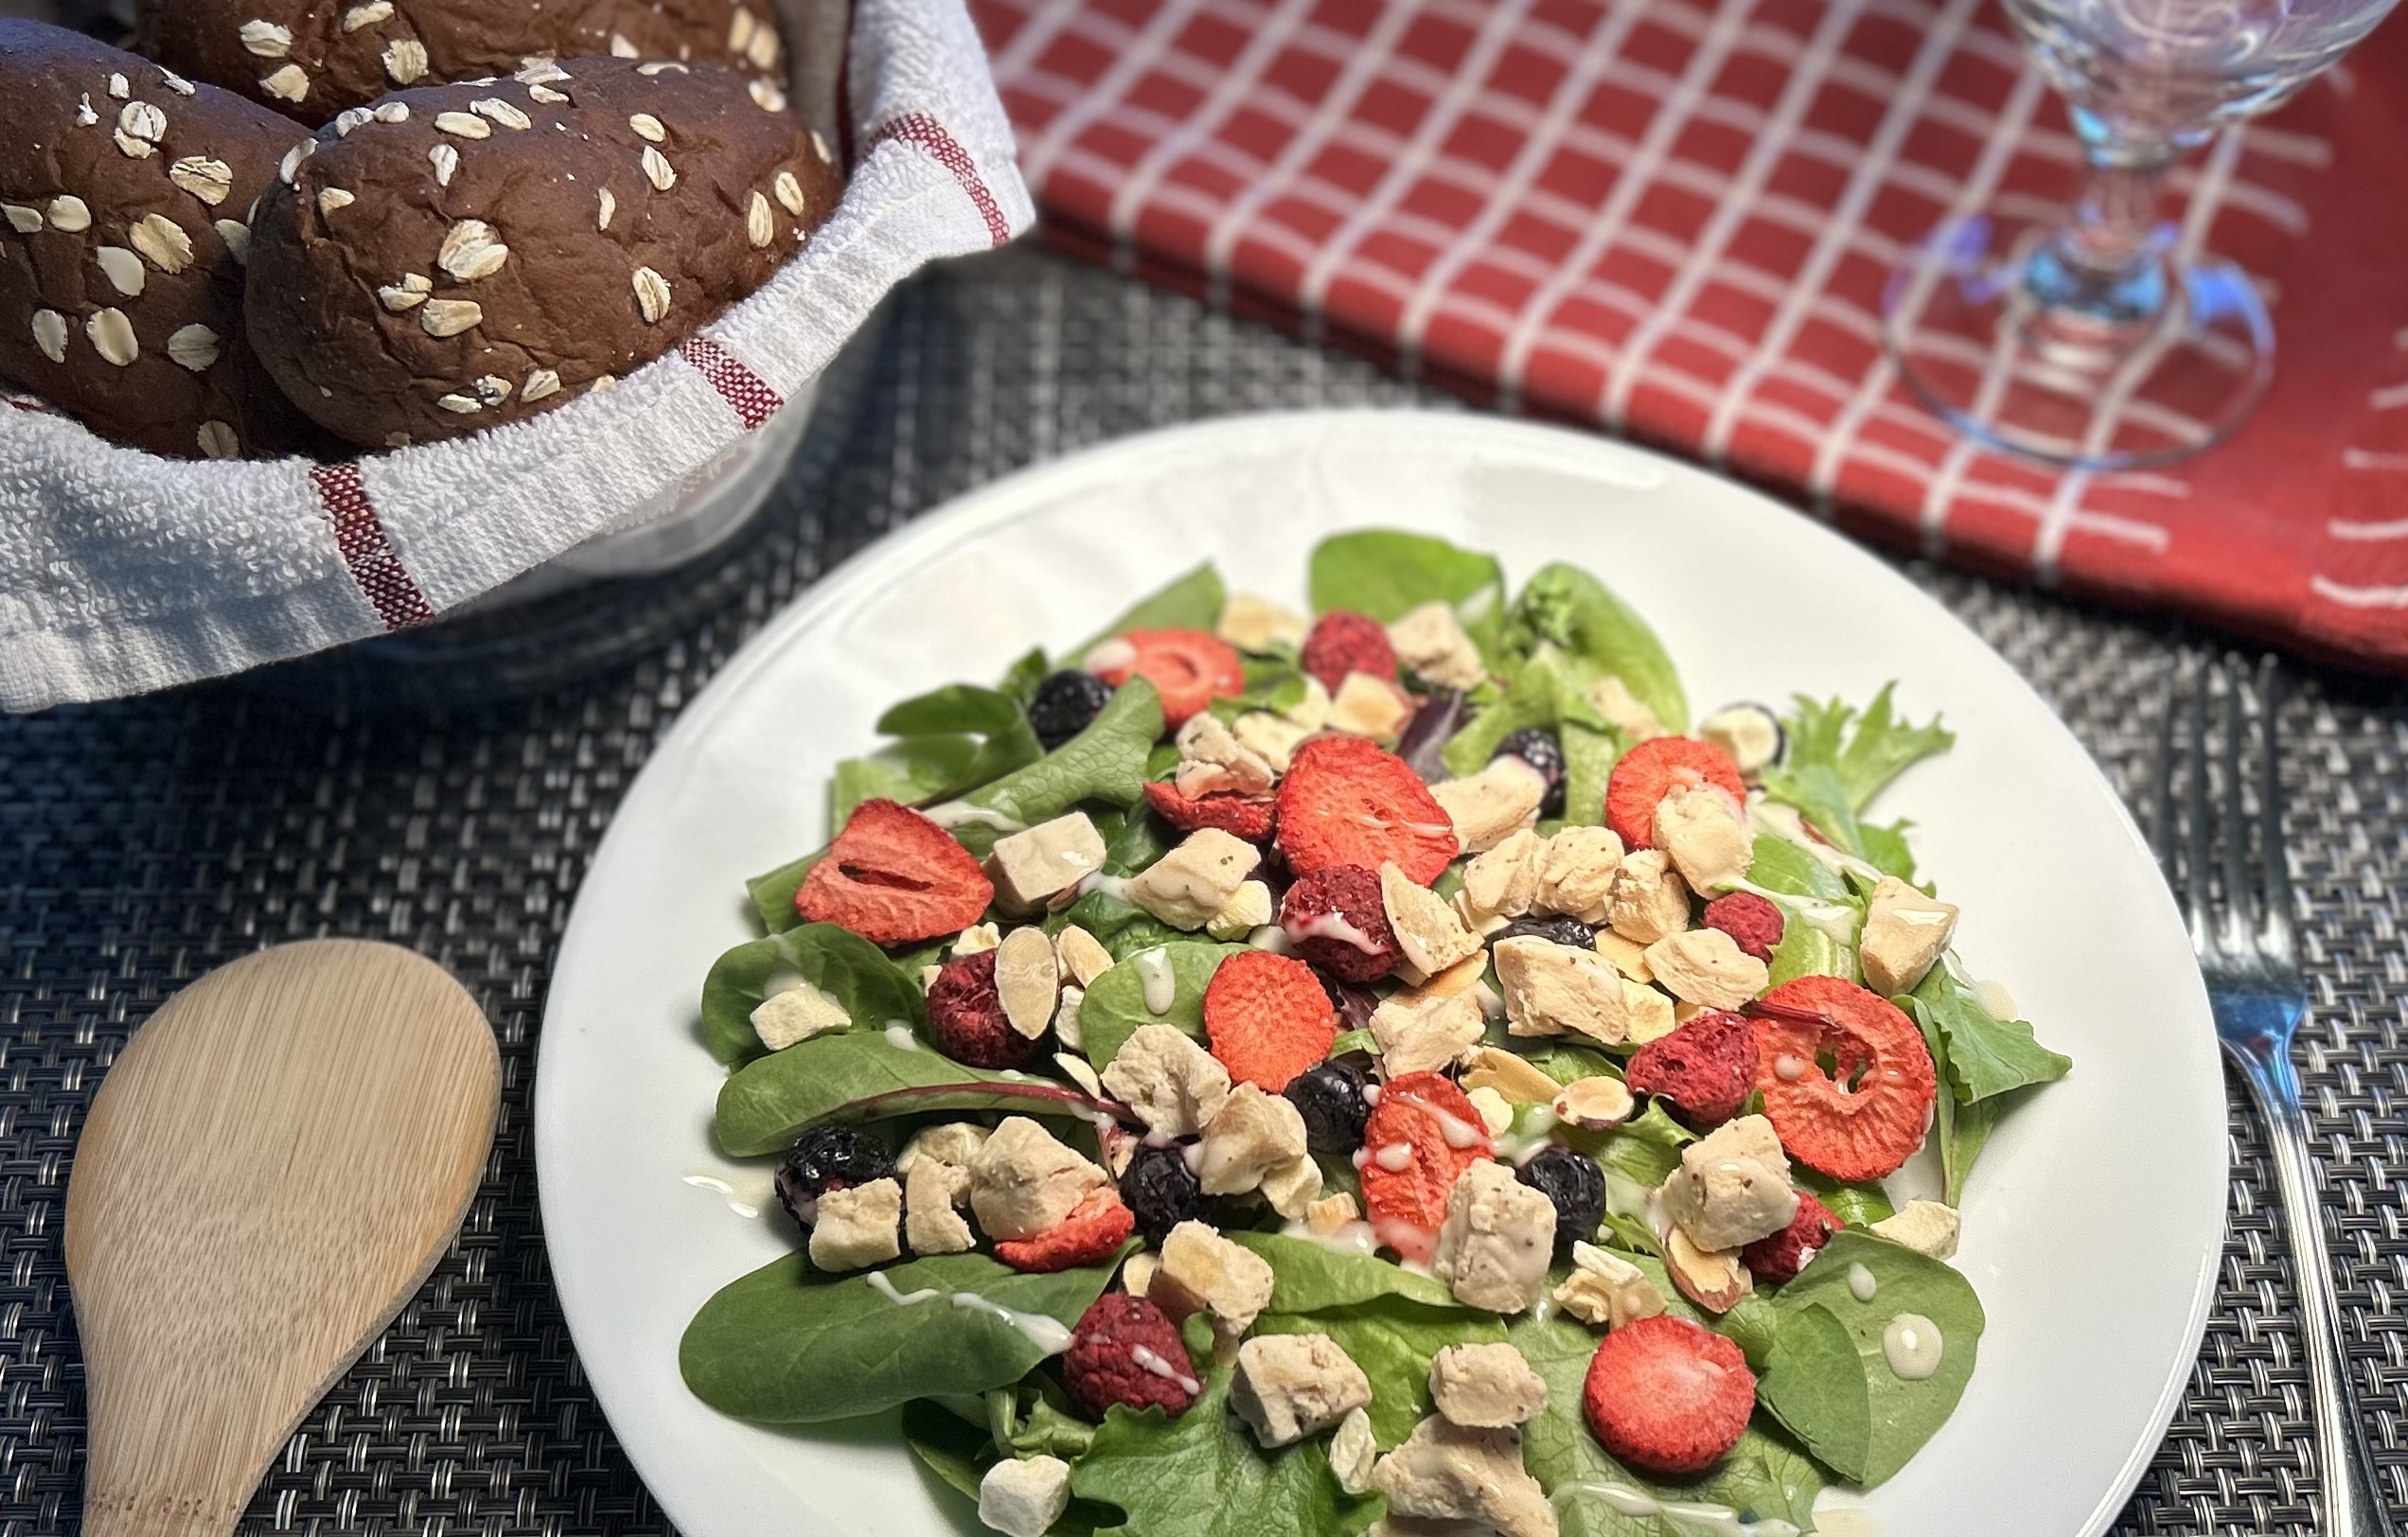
(2104, 343)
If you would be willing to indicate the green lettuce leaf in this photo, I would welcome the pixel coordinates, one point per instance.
(1548, 688)
(861, 1075)
(868, 986)
(1828, 1381)
(1986, 1055)
(1307, 1277)
(1578, 613)
(1115, 1007)
(1805, 950)
(1838, 761)
(1394, 1341)
(946, 1444)
(1192, 601)
(786, 1346)
(1202, 1476)
(1385, 575)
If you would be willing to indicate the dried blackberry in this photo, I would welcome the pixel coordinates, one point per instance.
(1160, 1192)
(1066, 703)
(1574, 1185)
(826, 1159)
(1569, 931)
(1331, 1100)
(1540, 748)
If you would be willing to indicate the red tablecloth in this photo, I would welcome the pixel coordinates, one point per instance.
(1677, 220)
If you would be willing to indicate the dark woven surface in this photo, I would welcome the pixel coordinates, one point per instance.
(142, 843)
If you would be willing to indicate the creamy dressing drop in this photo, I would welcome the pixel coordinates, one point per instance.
(1459, 1132)
(1154, 973)
(1347, 1238)
(1789, 1068)
(898, 1035)
(1396, 1158)
(1112, 886)
(727, 1193)
(1861, 1285)
(1912, 1346)
(784, 980)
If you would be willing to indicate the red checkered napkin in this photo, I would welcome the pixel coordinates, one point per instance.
(1677, 220)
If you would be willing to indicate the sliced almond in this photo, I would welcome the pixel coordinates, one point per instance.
(789, 192)
(265, 40)
(470, 250)
(1595, 1104)
(405, 59)
(501, 112)
(460, 402)
(1712, 1278)
(349, 119)
(112, 337)
(131, 148)
(162, 242)
(1028, 980)
(466, 125)
(445, 161)
(194, 346)
(141, 120)
(546, 94)
(540, 70)
(542, 382)
(449, 317)
(50, 334)
(658, 170)
(176, 82)
(122, 268)
(22, 218)
(289, 83)
(391, 112)
(766, 94)
(648, 128)
(218, 441)
(407, 295)
(207, 179)
(69, 212)
(367, 15)
(609, 206)
(332, 197)
(760, 225)
(651, 295)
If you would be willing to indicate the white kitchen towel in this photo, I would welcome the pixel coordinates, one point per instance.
(121, 572)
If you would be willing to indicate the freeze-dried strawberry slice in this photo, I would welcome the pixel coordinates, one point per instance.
(1094, 1232)
(1344, 642)
(1189, 669)
(1666, 1396)
(1345, 802)
(1871, 1120)
(894, 876)
(1440, 1133)
(1268, 1018)
(1249, 817)
(1653, 769)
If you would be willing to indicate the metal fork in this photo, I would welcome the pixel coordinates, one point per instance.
(2250, 958)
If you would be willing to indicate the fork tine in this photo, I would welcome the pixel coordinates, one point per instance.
(2236, 818)
(2196, 863)
(2280, 911)
(2162, 821)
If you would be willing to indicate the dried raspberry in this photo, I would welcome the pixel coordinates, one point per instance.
(1189, 669)
(1102, 1367)
(1267, 1018)
(1441, 1131)
(1666, 1396)
(1335, 919)
(1094, 1232)
(967, 1019)
(1752, 922)
(1653, 769)
(1780, 1258)
(1868, 1128)
(894, 876)
(1706, 1067)
(1249, 817)
(1342, 643)
(1345, 802)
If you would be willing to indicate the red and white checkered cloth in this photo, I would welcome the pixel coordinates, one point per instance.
(1675, 218)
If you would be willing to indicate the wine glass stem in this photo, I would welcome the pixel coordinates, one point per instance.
(2103, 272)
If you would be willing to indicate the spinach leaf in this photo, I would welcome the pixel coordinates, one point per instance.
(1828, 1380)
(1987, 1055)
(1966, 1137)
(772, 893)
(1572, 608)
(1193, 601)
(1106, 762)
(1052, 1430)
(1394, 1341)
(1646, 1147)
(1589, 756)
(865, 985)
(1546, 688)
(953, 739)
(946, 1444)
(1859, 1206)
(1119, 925)
(1387, 575)
(1022, 679)
(861, 1075)
(1307, 1277)
(1805, 950)
(1202, 1476)
(778, 1348)
(1115, 1006)
(1761, 1479)
(1837, 762)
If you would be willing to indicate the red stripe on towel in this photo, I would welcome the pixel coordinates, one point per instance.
(366, 552)
(920, 129)
(745, 391)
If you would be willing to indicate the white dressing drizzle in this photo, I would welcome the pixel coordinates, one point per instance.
(885, 1288)
(1114, 886)
(1153, 972)
(954, 814)
(1270, 937)
(1150, 1361)
(1048, 1335)
(1333, 926)
(727, 1193)
(1347, 1238)
(1716, 1520)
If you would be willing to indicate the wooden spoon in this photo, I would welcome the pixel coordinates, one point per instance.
(273, 1164)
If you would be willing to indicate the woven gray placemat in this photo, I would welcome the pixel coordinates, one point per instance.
(143, 843)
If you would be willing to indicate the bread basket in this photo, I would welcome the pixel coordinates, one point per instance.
(121, 572)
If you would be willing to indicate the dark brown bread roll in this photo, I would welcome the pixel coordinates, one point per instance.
(125, 191)
(503, 246)
(312, 59)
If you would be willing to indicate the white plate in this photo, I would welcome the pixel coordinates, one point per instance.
(2093, 1222)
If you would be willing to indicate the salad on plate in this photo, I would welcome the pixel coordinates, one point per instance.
(1391, 1069)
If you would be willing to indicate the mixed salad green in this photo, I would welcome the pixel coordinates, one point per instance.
(1271, 1074)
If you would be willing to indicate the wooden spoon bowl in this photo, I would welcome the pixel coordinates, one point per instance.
(272, 1166)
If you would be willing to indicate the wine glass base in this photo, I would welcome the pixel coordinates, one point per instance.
(2084, 392)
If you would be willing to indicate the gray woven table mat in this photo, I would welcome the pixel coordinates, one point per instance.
(146, 842)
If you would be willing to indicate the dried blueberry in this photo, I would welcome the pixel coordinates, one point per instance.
(826, 1159)
(1569, 931)
(1160, 1192)
(1331, 1100)
(1541, 750)
(1065, 704)
(1574, 1185)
